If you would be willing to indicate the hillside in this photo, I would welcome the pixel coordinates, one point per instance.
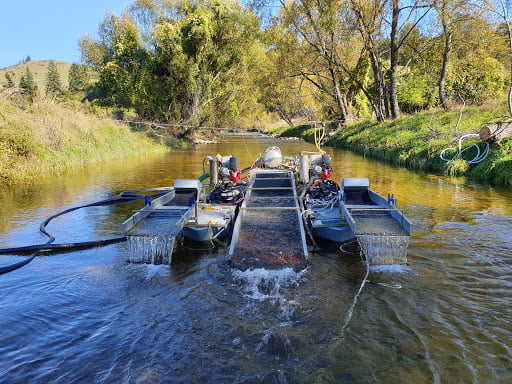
(39, 69)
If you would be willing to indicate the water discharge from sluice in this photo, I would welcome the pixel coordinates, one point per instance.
(152, 240)
(262, 284)
(384, 249)
(151, 249)
(382, 238)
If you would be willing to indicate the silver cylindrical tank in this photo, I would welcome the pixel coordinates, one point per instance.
(214, 170)
(304, 169)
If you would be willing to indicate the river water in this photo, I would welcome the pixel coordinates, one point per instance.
(88, 316)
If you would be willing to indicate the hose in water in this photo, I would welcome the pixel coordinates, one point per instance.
(48, 246)
(66, 246)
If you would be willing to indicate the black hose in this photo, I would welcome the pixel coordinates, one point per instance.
(12, 267)
(48, 246)
(67, 246)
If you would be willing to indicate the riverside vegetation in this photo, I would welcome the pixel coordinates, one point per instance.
(47, 138)
(416, 142)
(380, 66)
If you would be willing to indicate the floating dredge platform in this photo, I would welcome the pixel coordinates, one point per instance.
(270, 219)
(269, 231)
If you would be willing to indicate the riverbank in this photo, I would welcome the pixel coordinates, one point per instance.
(416, 142)
(47, 138)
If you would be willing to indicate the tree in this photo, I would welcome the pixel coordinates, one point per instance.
(444, 15)
(334, 63)
(502, 8)
(53, 84)
(451, 14)
(27, 83)
(477, 73)
(180, 61)
(79, 77)
(285, 91)
(369, 19)
(10, 81)
(414, 10)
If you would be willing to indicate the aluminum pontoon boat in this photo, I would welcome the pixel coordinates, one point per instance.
(341, 214)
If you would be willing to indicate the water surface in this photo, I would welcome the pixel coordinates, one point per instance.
(90, 317)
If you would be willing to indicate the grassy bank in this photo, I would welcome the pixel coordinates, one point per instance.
(416, 141)
(46, 138)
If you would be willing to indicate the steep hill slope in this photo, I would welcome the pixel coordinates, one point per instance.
(39, 69)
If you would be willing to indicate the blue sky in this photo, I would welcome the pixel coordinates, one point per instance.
(50, 29)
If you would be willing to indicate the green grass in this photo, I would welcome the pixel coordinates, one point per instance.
(47, 138)
(416, 141)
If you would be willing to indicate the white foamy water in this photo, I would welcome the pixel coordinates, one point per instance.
(381, 250)
(152, 271)
(264, 284)
(271, 286)
(391, 268)
(151, 249)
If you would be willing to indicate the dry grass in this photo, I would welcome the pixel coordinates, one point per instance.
(39, 69)
(47, 138)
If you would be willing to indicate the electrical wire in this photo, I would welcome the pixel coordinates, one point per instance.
(350, 312)
(319, 136)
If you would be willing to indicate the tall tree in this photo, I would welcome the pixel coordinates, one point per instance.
(184, 61)
(335, 60)
(414, 11)
(369, 18)
(502, 8)
(27, 83)
(284, 90)
(451, 13)
(79, 77)
(448, 36)
(476, 73)
(53, 83)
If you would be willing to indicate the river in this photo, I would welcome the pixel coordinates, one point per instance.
(88, 316)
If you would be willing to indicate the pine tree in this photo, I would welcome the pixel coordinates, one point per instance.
(79, 78)
(53, 85)
(9, 79)
(27, 83)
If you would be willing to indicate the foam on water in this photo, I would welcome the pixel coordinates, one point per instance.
(393, 268)
(271, 286)
(384, 249)
(275, 344)
(263, 284)
(151, 249)
(156, 271)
